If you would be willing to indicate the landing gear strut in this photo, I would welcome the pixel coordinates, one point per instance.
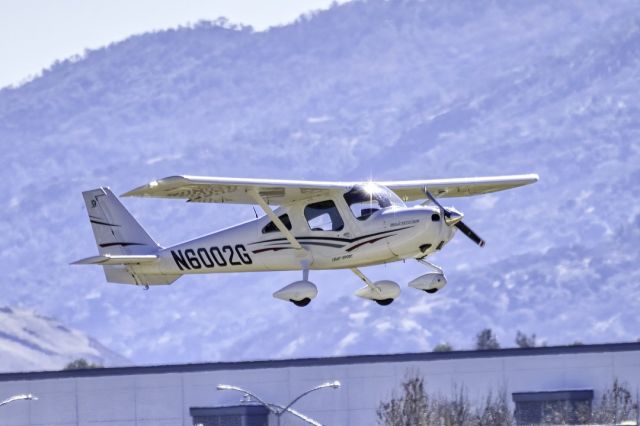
(382, 292)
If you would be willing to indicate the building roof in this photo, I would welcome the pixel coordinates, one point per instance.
(313, 362)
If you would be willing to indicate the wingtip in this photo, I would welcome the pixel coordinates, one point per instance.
(141, 191)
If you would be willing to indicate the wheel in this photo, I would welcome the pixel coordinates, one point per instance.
(384, 302)
(301, 302)
(431, 290)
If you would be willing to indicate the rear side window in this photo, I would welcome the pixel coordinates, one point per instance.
(271, 227)
(323, 216)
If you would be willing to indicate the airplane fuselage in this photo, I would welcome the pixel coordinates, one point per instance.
(319, 225)
(388, 235)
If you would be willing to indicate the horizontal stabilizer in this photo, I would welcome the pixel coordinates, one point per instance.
(116, 259)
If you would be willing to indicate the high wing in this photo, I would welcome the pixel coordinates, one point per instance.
(457, 187)
(202, 189)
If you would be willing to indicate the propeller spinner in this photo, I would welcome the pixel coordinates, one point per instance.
(453, 217)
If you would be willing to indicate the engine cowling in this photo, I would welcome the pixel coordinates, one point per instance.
(300, 293)
(384, 293)
(431, 282)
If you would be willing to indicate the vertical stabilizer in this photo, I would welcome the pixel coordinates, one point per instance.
(126, 250)
(115, 230)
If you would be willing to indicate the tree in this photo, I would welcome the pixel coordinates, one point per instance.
(524, 341)
(80, 364)
(616, 405)
(443, 347)
(454, 411)
(495, 411)
(415, 407)
(486, 340)
(410, 408)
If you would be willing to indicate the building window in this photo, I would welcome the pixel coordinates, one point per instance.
(560, 407)
(239, 415)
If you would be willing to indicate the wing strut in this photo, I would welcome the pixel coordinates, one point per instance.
(274, 218)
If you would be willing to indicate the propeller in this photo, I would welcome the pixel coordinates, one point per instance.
(454, 218)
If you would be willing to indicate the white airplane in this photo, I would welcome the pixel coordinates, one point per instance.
(318, 225)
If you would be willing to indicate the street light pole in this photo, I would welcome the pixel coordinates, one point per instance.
(277, 410)
(28, 397)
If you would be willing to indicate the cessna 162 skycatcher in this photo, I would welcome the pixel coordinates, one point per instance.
(318, 225)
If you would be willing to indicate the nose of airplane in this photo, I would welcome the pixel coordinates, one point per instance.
(442, 228)
(454, 217)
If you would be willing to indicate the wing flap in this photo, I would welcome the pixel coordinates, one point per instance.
(112, 259)
(458, 187)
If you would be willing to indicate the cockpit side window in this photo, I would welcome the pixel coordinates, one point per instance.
(323, 216)
(271, 227)
(364, 200)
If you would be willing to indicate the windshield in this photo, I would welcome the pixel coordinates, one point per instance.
(366, 199)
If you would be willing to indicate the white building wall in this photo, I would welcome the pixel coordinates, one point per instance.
(165, 399)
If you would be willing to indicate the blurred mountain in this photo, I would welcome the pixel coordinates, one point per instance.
(368, 89)
(31, 342)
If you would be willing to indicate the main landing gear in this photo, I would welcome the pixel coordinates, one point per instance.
(382, 292)
(300, 293)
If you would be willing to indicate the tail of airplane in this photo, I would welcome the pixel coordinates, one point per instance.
(115, 230)
(122, 242)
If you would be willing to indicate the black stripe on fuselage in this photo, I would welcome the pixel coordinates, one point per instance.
(271, 249)
(312, 243)
(304, 244)
(346, 240)
(369, 242)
